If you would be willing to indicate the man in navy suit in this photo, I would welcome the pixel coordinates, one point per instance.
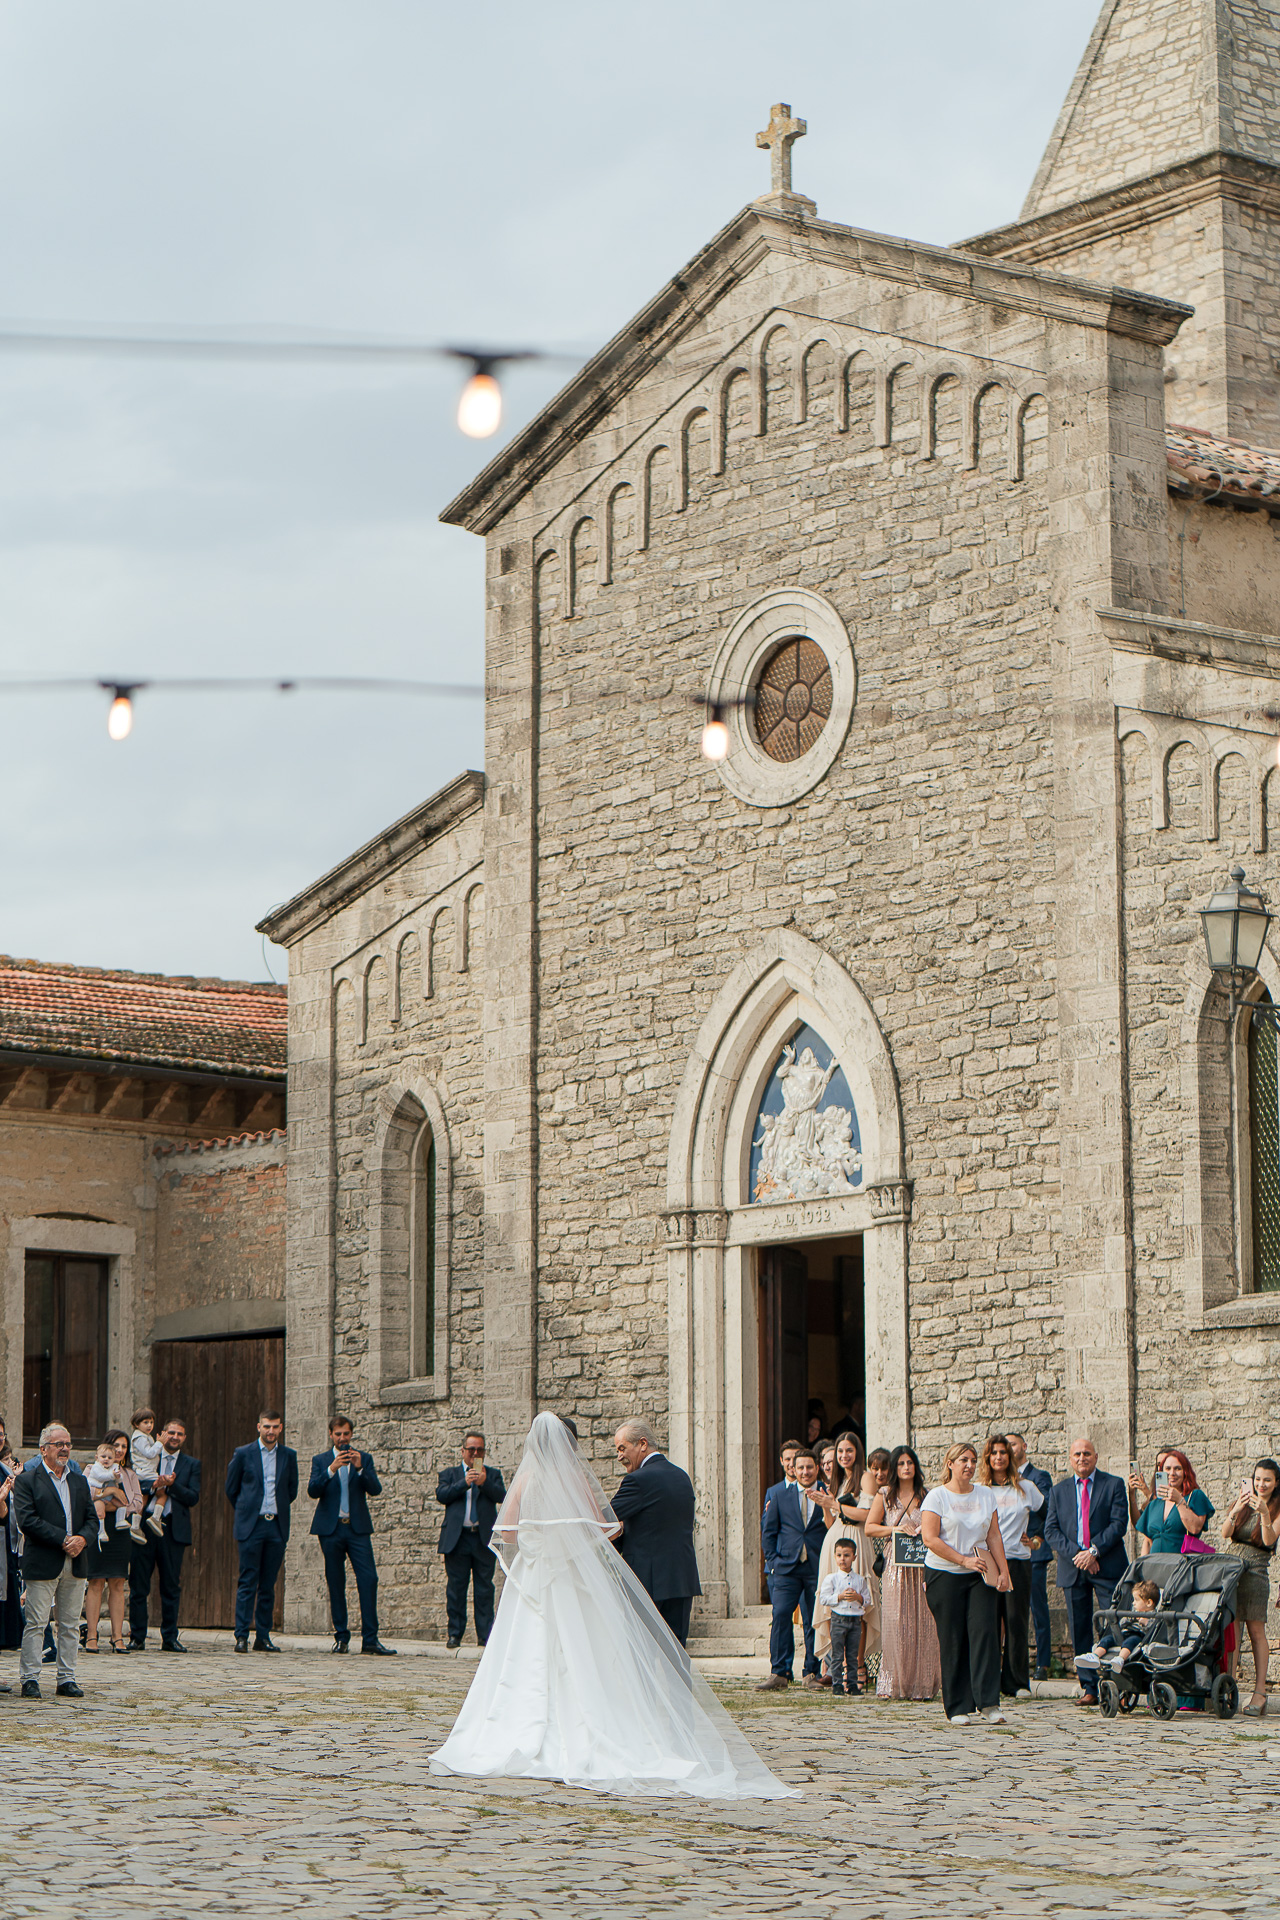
(1086, 1524)
(262, 1485)
(1040, 1556)
(470, 1495)
(655, 1504)
(786, 1460)
(343, 1481)
(792, 1534)
(178, 1484)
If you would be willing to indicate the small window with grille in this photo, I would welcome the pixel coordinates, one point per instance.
(1264, 1154)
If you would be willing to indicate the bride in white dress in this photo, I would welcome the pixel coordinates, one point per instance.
(582, 1680)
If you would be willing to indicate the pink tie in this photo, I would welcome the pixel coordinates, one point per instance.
(1084, 1513)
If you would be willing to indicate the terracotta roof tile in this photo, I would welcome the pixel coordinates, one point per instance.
(156, 1019)
(168, 1147)
(1209, 465)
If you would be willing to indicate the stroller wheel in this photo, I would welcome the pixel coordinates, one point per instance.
(1162, 1700)
(1225, 1695)
(1128, 1701)
(1109, 1699)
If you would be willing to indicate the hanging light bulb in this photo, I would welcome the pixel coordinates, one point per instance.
(120, 715)
(480, 405)
(715, 738)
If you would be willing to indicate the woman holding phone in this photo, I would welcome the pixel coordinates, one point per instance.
(1176, 1505)
(1250, 1530)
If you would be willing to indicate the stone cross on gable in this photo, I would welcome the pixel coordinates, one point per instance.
(780, 136)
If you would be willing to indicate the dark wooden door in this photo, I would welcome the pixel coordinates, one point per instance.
(218, 1387)
(784, 1374)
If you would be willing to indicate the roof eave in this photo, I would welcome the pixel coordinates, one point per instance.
(371, 862)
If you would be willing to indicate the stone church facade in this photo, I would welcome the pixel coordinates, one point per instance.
(879, 1061)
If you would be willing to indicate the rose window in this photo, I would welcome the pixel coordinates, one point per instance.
(793, 699)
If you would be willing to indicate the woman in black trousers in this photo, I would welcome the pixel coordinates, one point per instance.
(961, 1527)
(1016, 1500)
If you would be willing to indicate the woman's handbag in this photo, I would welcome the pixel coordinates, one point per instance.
(877, 1565)
(1192, 1543)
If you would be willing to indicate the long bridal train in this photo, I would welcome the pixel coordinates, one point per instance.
(582, 1680)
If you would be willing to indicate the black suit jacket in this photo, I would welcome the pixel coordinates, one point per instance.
(183, 1495)
(43, 1522)
(656, 1507)
(326, 1489)
(1108, 1525)
(451, 1492)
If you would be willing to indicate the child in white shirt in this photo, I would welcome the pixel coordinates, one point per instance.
(102, 1475)
(848, 1595)
(144, 1453)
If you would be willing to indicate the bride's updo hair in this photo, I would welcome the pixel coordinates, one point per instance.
(572, 1425)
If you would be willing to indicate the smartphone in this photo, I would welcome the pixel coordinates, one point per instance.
(1133, 1468)
(1162, 1483)
(1246, 1486)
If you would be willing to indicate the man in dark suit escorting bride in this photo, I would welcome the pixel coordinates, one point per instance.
(655, 1504)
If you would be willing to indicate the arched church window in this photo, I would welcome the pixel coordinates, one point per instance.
(422, 1256)
(793, 699)
(806, 1144)
(1264, 1153)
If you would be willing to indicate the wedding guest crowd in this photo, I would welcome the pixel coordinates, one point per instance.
(956, 1579)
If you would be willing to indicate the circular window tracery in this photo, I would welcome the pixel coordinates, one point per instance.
(793, 699)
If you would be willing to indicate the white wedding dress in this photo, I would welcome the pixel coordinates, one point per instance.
(582, 1680)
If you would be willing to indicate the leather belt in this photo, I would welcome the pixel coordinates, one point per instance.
(345, 1519)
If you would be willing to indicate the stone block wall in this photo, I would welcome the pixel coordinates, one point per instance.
(923, 862)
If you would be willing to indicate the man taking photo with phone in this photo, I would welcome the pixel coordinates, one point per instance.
(343, 1481)
(470, 1495)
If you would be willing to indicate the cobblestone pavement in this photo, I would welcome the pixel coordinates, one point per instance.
(297, 1784)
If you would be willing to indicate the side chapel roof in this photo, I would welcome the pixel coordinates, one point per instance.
(161, 1020)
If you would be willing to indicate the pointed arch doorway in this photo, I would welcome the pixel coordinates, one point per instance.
(738, 1238)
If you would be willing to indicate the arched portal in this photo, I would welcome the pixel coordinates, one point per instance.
(717, 1233)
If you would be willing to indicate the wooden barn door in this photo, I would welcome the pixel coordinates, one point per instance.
(218, 1387)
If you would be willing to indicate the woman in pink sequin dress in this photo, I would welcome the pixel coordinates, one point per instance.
(909, 1665)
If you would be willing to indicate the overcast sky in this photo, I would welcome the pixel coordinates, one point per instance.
(398, 168)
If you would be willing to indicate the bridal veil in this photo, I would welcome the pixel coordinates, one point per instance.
(582, 1680)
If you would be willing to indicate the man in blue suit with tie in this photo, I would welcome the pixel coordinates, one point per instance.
(343, 1481)
(262, 1485)
(792, 1534)
(1086, 1521)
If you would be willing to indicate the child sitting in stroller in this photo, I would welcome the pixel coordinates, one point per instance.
(1107, 1652)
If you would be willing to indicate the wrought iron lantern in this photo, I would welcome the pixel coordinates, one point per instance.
(1235, 926)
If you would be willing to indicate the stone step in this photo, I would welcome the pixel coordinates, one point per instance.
(733, 1628)
(746, 1647)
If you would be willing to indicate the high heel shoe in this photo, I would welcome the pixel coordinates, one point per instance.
(90, 1646)
(1255, 1709)
(119, 1646)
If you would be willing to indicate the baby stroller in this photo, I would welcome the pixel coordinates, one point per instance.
(1197, 1605)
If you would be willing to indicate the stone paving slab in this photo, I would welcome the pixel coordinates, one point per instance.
(297, 1784)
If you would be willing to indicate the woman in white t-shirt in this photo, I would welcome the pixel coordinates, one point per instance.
(965, 1572)
(1016, 1500)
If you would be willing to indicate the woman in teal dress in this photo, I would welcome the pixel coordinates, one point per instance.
(1167, 1519)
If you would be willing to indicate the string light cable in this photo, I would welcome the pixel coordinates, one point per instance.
(479, 404)
(714, 740)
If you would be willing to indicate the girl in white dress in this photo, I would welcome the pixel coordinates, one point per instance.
(582, 1679)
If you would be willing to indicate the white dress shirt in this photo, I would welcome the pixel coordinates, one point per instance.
(166, 1464)
(268, 1480)
(62, 1483)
